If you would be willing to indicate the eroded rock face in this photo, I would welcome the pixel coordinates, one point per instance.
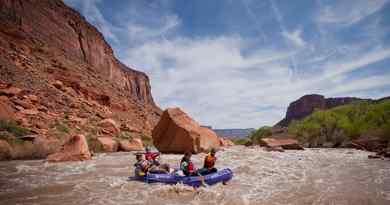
(109, 125)
(56, 67)
(75, 149)
(176, 132)
(283, 143)
(7, 112)
(307, 104)
(52, 22)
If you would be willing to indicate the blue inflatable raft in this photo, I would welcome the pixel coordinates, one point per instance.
(223, 175)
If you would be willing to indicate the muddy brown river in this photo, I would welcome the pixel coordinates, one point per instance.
(313, 176)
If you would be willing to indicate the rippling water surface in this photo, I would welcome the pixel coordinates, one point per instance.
(313, 176)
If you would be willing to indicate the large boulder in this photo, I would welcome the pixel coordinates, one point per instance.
(5, 150)
(134, 144)
(225, 142)
(176, 132)
(284, 143)
(75, 149)
(109, 126)
(108, 144)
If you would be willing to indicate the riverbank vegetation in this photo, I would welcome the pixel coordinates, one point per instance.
(344, 123)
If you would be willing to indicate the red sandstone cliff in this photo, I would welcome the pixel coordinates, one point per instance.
(307, 104)
(64, 71)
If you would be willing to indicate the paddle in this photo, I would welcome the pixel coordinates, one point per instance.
(203, 182)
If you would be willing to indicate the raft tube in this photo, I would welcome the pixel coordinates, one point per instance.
(223, 175)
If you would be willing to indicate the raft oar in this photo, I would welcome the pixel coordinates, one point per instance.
(203, 182)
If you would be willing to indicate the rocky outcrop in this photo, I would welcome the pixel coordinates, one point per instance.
(58, 73)
(225, 142)
(108, 144)
(109, 126)
(280, 143)
(54, 24)
(5, 150)
(134, 144)
(176, 132)
(75, 149)
(307, 104)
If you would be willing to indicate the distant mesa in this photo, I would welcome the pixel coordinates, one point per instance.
(234, 133)
(307, 104)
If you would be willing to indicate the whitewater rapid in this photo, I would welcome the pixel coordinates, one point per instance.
(312, 176)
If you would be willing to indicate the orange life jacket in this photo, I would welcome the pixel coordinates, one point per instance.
(209, 161)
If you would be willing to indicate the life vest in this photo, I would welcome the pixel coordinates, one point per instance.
(190, 167)
(209, 161)
(141, 168)
(151, 155)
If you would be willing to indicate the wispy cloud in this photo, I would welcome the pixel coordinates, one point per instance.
(141, 33)
(346, 12)
(217, 89)
(230, 80)
(253, 17)
(295, 37)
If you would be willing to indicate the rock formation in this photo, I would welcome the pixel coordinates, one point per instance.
(107, 144)
(134, 144)
(57, 73)
(276, 144)
(225, 142)
(307, 104)
(176, 132)
(75, 149)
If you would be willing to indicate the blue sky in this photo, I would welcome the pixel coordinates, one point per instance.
(239, 63)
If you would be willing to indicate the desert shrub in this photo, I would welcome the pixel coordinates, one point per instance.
(264, 131)
(124, 135)
(147, 140)
(59, 129)
(13, 128)
(241, 141)
(60, 126)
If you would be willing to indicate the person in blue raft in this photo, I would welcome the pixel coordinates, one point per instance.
(148, 171)
(188, 168)
(143, 166)
(186, 165)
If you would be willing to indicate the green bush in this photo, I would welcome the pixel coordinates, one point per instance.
(344, 123)
(13, 128)
(60, 126)
(59, 129)
(148, 141)
(124, 135)
(241, 141)
(264, 131)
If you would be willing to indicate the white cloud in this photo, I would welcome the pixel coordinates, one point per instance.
(346, 12)
(355, 62)
(225, 81)
(216, 83)
(138, 32)
(361, 84)
(295, 37)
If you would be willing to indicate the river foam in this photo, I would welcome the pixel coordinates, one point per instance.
(312, 176)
